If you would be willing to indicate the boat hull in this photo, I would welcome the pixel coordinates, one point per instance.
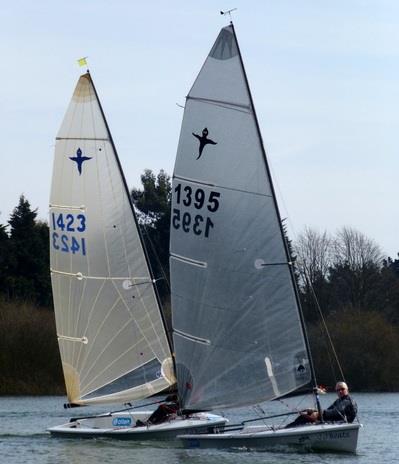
(123, 426)
(319, 437)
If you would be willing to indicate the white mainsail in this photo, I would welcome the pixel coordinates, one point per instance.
(238, 334)
(111, 335)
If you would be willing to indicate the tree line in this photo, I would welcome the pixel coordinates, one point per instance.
(349, 291)
(350, 294)
(346, 271)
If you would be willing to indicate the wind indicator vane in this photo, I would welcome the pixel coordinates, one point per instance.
(228, 12)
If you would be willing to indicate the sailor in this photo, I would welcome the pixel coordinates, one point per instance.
(344, 409)
(165, 411)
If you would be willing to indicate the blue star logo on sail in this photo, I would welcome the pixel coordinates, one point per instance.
(79, 159)
(203, 140)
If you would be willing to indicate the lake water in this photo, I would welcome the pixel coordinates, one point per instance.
(23, 438)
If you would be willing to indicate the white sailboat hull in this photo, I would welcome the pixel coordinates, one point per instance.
(319, 437)
(123, 426)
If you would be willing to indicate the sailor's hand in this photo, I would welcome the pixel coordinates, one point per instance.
(308, 412)
(313, 416)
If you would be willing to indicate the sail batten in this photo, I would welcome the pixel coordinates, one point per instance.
(73, 339)
(243, 302)
(105, 302)
(194, 181)
(188, 260)
(221, 103)
(96, 139)
(125, 279)
(192, 338)
(198, 182)
(54, 206)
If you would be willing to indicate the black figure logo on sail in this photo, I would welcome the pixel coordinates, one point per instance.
(300, 363)
(203, 140)
(79, 159)
(301, 369)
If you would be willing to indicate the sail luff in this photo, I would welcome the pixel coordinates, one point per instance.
(300, 312)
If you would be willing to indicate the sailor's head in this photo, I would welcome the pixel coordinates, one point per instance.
(341, 388)
(205, 132)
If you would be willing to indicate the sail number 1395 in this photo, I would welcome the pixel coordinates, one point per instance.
(199, 223)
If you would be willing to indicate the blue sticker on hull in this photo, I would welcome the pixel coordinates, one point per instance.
(122, 422)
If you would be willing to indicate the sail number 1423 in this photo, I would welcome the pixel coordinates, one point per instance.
(73, 241)
(199, 223)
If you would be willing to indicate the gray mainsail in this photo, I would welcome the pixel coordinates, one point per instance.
(238, 335)
(110, 331)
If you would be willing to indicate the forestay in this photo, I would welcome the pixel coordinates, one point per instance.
(111, 336)
(237, 330)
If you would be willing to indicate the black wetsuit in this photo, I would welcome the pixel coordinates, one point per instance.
(343, 409)
(163, 412)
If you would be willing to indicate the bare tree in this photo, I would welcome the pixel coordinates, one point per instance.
(355, 271)
(313, 250)
(353, 249)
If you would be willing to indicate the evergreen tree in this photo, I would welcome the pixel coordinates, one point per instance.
(154, 203)
(43, 280)
(28, 271)
(388, 289)
(4, 258)
(154, 199)
(392, 264)
(22, 220)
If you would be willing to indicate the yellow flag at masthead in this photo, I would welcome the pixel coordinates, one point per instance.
(82, 61)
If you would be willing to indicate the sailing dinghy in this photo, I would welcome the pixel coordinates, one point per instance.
(238, 329)
(112, 339)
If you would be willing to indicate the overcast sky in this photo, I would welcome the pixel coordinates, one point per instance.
(324, 77)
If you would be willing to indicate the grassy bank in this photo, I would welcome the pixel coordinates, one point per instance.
(367, 348)
(29, 357)
(365, 342)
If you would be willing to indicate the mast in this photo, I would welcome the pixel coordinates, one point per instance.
(313, 375)
(134, 216)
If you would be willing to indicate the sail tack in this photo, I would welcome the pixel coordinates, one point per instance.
(111, 336)
(237, 331)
